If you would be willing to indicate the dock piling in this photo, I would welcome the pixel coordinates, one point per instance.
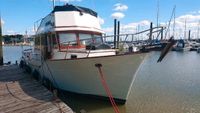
(1, 48)
(115, 32)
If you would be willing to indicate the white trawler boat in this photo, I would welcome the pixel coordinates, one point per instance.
(68, 45)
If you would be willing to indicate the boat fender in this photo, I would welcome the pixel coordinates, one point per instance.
(36, 75)
(55, 94)
(21, 64)
(28, 69)
(73, 56)
(130, 48)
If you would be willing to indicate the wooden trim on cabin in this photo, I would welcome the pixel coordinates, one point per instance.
(76, 27)
(79, 31)
(100, 56)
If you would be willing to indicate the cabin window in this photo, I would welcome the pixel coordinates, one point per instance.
(54, 41)
(98, 39)
(37, 42)
(85, 39)
(67, 39)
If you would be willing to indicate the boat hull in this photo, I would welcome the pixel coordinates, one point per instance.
(82, 77)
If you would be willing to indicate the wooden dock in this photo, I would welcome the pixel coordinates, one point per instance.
(21, 93)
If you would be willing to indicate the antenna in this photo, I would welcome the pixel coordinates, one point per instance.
(174, 25)
(168, 27)
(158, 11)
(198, 30)
(185, 29)
(53, 1)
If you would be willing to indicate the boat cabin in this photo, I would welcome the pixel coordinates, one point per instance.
(71, 32)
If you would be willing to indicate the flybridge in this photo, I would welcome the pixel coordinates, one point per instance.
(69, 7)
(70, 18)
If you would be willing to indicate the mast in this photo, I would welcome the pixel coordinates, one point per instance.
(174, 25)
(198, 30)
(53, 1)
(1, 49)
(158, 11)
(168, 27)
(185, 29)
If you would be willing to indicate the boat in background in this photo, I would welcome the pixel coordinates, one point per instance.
(68, 45)
(182, 45)
(194, 45)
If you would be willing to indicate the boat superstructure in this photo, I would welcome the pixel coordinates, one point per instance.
(182, 45)
(68, 45)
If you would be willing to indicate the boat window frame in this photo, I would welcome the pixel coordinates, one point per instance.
(79, 45)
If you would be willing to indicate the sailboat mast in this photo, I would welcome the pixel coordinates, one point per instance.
(53, 2)
(174, 25)
(185, 29)
(198, 30)
(158, 11)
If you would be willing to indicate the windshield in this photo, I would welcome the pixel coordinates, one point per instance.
(67, 39)
(86, 39)
(77, 40)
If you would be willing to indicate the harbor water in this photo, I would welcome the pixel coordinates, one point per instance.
(172, 86)
(13, 53)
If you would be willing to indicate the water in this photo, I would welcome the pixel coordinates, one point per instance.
(172, 86)
(13, 53)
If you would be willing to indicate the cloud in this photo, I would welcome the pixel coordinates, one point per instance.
(117, 15)
(130, 27)
(10, 32)
(108, 30)
(101, 20)
(120, 7)
(188, 18)
(191, 21)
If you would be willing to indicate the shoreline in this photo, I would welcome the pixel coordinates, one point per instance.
(17, 44)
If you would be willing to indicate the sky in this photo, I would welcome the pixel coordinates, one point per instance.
(19, 16)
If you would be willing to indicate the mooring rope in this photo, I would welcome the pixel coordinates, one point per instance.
(108, 92)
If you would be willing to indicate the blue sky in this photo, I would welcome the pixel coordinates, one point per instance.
(20, 15)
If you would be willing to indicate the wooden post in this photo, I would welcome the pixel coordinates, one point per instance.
(189, 35)
(162, 33)
(151, 30)
(118, 32)
(115, 32)
(1, 49)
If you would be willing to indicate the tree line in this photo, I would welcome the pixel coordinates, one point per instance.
(8, 39)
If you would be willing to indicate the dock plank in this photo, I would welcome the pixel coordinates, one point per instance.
(20, 93)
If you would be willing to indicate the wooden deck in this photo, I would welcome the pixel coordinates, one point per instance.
(20, 93)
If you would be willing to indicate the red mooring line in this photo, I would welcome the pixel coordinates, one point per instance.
(108, 92)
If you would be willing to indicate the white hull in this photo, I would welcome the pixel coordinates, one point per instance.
(82, 77)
